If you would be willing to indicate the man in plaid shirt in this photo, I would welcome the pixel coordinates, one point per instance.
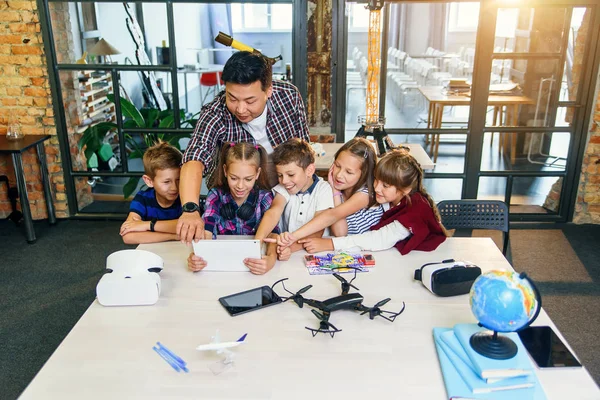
(253, 108)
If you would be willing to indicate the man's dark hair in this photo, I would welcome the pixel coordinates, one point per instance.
(244, 68)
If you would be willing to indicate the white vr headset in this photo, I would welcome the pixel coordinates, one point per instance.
(131, 279)
(449, 277)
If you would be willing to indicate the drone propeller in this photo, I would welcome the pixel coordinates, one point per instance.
(324, 325)
(345, 284)
(298, 299)
(376, 311)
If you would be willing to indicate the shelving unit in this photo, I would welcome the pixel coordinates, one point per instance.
(94, 88)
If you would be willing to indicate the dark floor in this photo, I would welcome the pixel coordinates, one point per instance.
(46, 287)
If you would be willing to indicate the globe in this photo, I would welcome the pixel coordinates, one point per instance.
(503, 301)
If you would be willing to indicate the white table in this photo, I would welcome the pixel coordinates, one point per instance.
(324, 163)
(108, 353)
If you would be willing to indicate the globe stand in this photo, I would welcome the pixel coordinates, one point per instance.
(493, 346)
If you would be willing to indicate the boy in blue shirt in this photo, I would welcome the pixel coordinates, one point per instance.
(154, 212)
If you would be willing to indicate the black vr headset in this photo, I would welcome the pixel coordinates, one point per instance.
(449, 277)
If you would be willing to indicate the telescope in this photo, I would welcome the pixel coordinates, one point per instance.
(228, 41)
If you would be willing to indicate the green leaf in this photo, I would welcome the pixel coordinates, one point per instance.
(130, 186)
(167, 122)
(129, 124)
(152, 116)
(164, 114)
(129, 110)
(137, 153)
(97, 131)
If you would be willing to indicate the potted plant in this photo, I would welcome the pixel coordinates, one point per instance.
(95, 140)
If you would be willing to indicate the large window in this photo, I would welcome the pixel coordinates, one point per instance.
(463, 17)
(130, 74)
(261, 17)
(509, 132)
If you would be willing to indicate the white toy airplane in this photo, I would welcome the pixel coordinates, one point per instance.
(222, 347)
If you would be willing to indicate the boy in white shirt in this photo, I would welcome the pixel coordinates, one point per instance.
(300, 194)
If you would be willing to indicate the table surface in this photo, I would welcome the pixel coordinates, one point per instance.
(324, 162)
(19, 146)
(109, 353)
(435, 94)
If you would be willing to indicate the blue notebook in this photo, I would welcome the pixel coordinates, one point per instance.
(456, 388)
(449, 338)
(486, 367)
(475, 383)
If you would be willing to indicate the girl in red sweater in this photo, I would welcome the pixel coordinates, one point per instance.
(411, 220)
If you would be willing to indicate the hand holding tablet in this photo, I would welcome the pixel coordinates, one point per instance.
(227, 255)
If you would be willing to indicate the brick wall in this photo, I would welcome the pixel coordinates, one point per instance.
(25, 99)
(587, 208)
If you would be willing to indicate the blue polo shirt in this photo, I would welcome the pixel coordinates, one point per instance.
(146, 206)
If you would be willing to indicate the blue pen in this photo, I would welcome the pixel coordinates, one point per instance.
(173, 355)
(166, 358)
(182, 366)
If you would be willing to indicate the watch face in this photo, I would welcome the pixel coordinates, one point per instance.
(190, 207)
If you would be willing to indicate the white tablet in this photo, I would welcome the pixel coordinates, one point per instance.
(227, 255)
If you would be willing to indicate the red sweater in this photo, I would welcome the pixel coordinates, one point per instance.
(418, 217)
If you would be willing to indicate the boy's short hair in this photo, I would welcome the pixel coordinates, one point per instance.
(161, 156)
(294, 150)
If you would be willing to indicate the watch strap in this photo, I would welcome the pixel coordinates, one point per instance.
(152, 223)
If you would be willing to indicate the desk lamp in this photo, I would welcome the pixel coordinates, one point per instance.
(103, 48)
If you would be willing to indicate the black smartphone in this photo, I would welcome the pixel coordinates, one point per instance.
(250, 300)
(546, 348)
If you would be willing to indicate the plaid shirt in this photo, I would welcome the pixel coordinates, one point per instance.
(286, 119)
(213, 222)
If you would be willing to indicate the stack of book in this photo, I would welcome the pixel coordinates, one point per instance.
(468, 374)
(458, 85)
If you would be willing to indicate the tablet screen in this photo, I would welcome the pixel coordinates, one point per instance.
(249, 300)
(546, 348)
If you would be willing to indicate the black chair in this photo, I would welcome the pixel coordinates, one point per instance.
(476, 214)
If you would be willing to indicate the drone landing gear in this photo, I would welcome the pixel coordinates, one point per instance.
(324, 325)
(376, 311)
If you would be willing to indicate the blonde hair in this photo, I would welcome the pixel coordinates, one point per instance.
(161, 156)
(400, 169)
(242, 151)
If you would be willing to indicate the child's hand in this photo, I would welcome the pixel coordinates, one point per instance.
(134, 226)
(195, 263)
(283, 253)
(330, 178)
(208, 235)
(259, 266)
(285, 239)
(316, 245)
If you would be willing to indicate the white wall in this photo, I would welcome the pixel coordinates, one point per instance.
(111, 23)
(417, 28)
(75, 31)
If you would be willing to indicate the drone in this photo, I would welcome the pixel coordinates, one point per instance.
(346, 301)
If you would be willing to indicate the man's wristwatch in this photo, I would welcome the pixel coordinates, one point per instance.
(152, 223)
(190, 207)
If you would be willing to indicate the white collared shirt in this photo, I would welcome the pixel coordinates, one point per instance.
(258, 129)
(301, 208)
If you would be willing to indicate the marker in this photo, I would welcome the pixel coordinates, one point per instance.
(166, 358)
(183, 367)
(170, 353)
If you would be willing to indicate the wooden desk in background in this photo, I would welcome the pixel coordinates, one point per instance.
(108, 353)
(324, 163)
(437, 100)
(16, 148)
